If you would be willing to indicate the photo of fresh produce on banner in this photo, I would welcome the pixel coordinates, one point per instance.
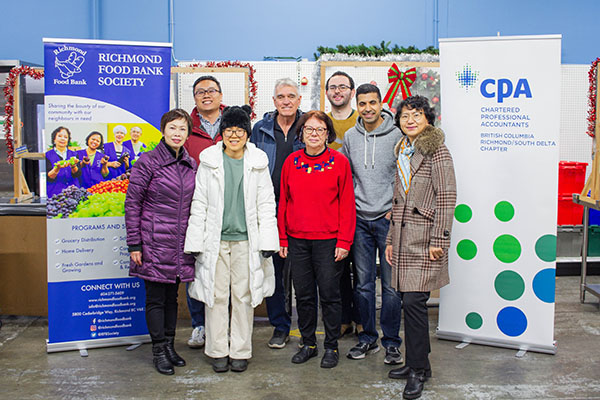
(88, 167)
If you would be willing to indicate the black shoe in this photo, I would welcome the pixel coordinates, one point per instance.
(414, 385)
(361, 350)
(221, 364)
(330, 358)
(160, 360)
(404, 372)
(238, 365)
(278, 340)
(305, 353)
(173, 357)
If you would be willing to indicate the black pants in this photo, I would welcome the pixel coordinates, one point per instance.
(161, 309)
(416, 329)
(313, 265)
(349, 308)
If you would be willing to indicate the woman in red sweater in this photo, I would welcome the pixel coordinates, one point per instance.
(316, 221)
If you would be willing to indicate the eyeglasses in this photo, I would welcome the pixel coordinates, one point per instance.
(237, 132)
(342, 88)
(416, 116)
(202, 92)
(309, 130)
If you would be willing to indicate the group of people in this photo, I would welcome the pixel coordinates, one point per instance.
(231, 210)
(97, 162)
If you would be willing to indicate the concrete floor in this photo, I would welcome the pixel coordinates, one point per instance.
(475, 372)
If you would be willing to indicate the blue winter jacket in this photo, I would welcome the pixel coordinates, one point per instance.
(263, 136)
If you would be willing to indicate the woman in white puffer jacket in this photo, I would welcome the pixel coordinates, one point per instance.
(232, 231)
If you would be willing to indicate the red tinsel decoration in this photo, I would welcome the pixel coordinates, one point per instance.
(251, 81)
(9, 90)
(592, 76)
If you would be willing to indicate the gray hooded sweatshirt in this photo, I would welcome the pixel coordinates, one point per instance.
(373, 164)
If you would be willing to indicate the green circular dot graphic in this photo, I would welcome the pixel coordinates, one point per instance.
(545, 248)
(466, 249)
(509, 285)
(474, 320)
(463, 213)
(507, 248)
(504, 211)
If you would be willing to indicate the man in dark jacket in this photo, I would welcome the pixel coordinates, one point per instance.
(275, 134)
(206, 118)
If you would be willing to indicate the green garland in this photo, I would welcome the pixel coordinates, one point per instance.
(373, 51)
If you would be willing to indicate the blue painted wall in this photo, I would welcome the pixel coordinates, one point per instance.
(251, 30)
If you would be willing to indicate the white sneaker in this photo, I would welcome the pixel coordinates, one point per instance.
(197, 339)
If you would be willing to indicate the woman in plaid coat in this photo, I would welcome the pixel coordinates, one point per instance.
(419, 235)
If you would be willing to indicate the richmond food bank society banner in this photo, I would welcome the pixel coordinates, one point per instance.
(103, 104)
(501, 107)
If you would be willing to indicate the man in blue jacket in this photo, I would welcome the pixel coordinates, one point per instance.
(276, 135)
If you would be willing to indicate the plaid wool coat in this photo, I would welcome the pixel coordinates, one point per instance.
(423, 217)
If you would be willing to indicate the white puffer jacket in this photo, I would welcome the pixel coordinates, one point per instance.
(206, 220)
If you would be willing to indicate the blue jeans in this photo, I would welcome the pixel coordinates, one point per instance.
(278, 316)
(369, 238)
(196, 309)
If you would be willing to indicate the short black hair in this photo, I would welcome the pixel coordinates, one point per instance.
(172, 115)
(55, 132)
(340, 73)
(367, 88)
(321, 116)
(206, 78)
(416, 102)
(87, 139)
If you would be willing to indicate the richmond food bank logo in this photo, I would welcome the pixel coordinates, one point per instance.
(68, 60)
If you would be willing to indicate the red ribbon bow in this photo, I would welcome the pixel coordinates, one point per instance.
(402, 80)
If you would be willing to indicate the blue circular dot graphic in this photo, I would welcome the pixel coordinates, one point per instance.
(544, 285)
(511, 321)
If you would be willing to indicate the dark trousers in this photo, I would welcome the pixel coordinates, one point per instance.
(278, 316)
(349, 308)
(161, 309)
(416, 329)
(314, 266)
(196, 309)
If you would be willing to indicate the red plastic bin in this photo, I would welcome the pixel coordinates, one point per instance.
(571, 177)
(569, 213)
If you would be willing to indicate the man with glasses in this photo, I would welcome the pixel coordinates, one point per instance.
(206, 118)
(275, 134)
(339, 89)
(369, 147)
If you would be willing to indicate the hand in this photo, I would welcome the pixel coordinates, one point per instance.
(435, 253)
(388, 216)
(114, 164)
(104, 160)
(136, 257)
(340, 254)
(388, 253)
(267, 253)
(283, 252)
(86, 161)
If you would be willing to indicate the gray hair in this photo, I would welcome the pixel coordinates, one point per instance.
(120, 128)
(285, 82)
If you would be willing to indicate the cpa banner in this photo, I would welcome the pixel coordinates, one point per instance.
(103, 103)
(501, 107)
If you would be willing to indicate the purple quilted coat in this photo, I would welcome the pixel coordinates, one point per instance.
(157, 209)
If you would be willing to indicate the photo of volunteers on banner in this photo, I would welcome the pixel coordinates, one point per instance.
(88, 166)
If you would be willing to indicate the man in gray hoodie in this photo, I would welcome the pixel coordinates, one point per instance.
(370, 148)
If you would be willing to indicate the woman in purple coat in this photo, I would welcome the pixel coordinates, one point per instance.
(94, 164)
(157, 208)
(60, 172)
